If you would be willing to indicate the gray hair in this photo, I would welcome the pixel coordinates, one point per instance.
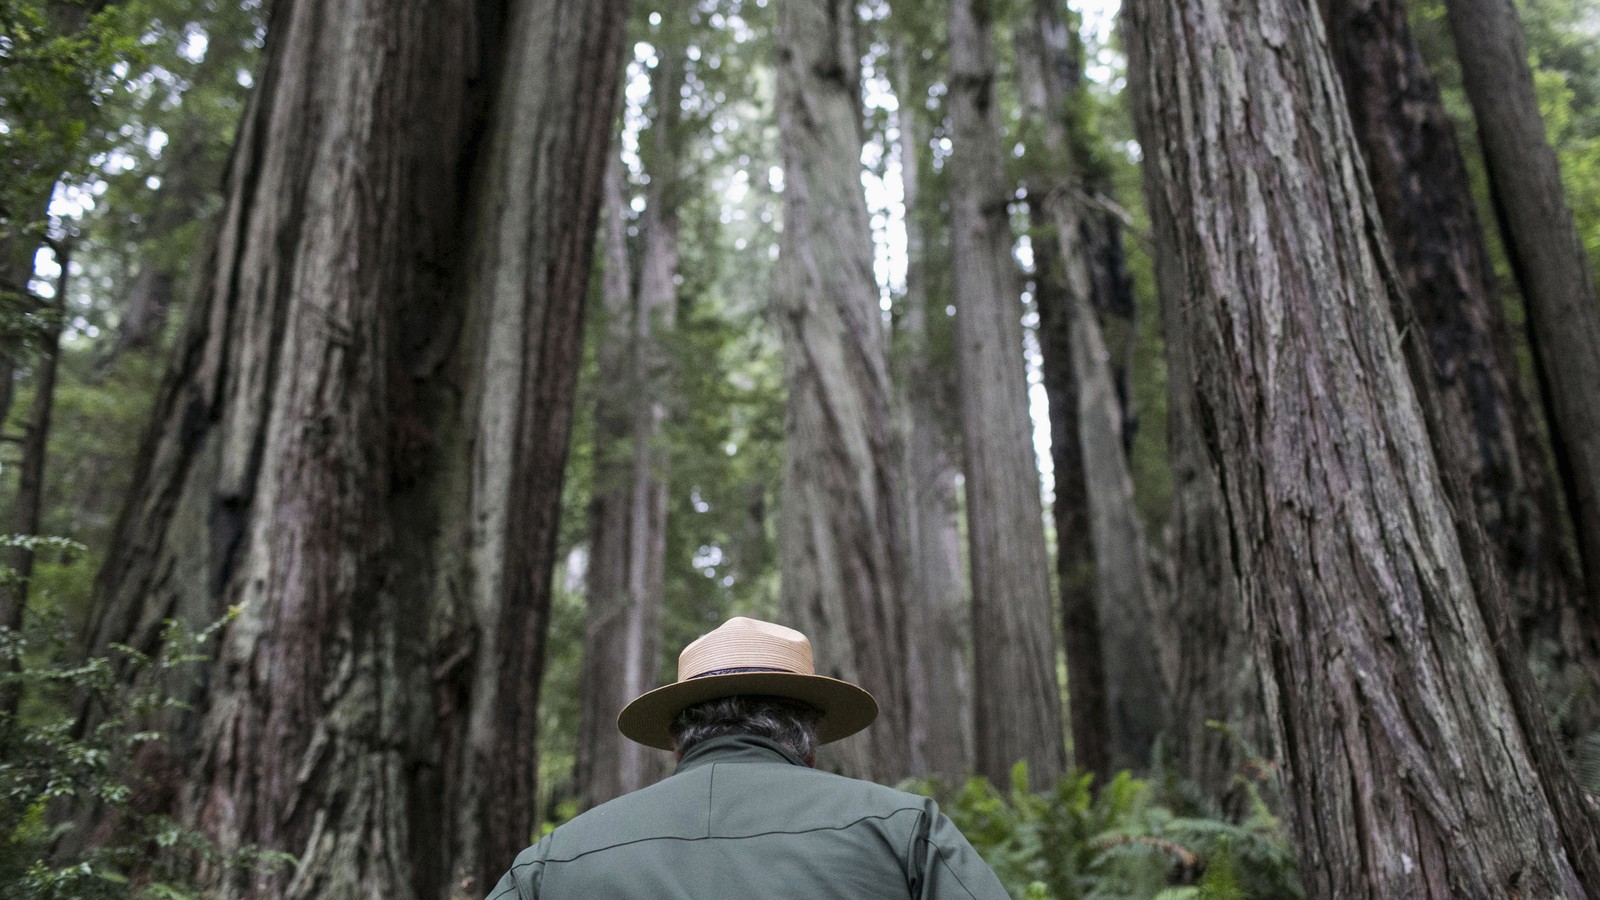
(788, 722)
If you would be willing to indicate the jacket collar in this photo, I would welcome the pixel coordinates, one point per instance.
(738, 748)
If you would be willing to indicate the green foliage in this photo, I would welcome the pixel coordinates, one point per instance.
(79, 756)
(1072, 843)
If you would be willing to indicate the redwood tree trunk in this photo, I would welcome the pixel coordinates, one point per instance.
(1017, 699)
(1489, 432)
(1547, 256)
(534, 221)
(1413, 755)
(628, 511)
(348, 452)
(938, 616)
(1080, 612)
(841, 526)
(1135, 671)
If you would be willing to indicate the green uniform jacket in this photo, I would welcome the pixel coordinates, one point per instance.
(743, 818)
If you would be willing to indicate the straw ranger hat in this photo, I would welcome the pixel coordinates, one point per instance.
(748, 656)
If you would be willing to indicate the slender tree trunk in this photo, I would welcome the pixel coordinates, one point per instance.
(842, 523)
(1080, 612)
(145, 315)
(629, 506)
(1489, 433)
(29, 502)
(937, 611)
(608, 606)
(1017, 710)
(359, 444)
(1093, 279)
(1412, 750)
(1547, 256)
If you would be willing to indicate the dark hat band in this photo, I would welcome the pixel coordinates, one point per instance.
(738, 670)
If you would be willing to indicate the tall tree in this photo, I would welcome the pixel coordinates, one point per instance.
(937, 609)
(1017, 699)
(628, 507)
(1117, 677)
(360, 442)
(1414, 752)
(842, 523)
(1547, 256)
(1487, 431)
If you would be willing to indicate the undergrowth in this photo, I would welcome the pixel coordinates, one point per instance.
(1122, 842)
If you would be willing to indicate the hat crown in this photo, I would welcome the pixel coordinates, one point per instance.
(742, 643)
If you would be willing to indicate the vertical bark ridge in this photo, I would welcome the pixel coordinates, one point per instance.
(1135, 669)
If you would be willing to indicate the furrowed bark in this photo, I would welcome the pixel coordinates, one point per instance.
(1080, 612)
(1017, 700)
(842, 523)
(1409, 756)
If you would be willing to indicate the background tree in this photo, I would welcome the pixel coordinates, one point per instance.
(939, 614)
(1546, 253)
(842, 527)
(1017, 699)
(1376, 646)
(1069, 190)
(628, 507)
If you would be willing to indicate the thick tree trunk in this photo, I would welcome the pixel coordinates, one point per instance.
(1414, 756)
(842, 523)
(939, 681)
(1093, 279)
(1489, 433)
(1017, 703)
(363, 455)
(534, 223)
(628, 509)
(1547, 256)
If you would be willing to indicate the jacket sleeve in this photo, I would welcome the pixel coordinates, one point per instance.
(946, 867)
(521, 881)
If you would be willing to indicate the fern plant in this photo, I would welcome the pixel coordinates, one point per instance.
(1072, 843)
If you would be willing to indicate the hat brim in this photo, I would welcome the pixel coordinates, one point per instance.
(846, 708)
